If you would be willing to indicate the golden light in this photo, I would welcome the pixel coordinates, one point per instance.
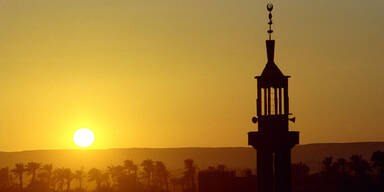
(83, 137)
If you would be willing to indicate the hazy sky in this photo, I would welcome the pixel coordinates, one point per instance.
(179, 73)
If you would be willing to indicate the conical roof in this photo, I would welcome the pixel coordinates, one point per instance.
(271, 75)
(271, 71)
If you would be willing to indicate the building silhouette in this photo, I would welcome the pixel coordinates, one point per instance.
(215, 180)
(273, 140)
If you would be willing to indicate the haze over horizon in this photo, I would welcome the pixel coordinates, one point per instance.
(180, 73)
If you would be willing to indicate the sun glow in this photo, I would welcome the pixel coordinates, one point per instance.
(83, 137)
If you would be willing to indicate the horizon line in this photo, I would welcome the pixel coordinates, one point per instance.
(201, 147)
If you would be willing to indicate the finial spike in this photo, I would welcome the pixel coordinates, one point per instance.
(270, 8)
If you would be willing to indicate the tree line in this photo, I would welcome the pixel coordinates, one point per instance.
(148, 176)
(353, 174)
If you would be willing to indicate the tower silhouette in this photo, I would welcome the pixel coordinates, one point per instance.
(273, 140)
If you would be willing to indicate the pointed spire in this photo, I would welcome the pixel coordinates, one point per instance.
(271, 73)
(270, 43)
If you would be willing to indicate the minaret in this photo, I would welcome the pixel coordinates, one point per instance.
(273, 140)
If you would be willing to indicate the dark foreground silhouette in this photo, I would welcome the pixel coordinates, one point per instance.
(352, 174)
(341, 175)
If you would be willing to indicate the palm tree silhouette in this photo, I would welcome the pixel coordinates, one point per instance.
(328, 168)
(46, 174)
(131, 168)
(19, 171)
(359, 166)
(378, 163)
(31, 169)
(160, 175)
(298, 170)
(148, 168)
(95, 175)
(105, 179)
(59, 178)
(79, 175)
(116, 172)
(68, 176)
(342, 166)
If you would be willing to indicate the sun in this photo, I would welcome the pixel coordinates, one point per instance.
(83, 137)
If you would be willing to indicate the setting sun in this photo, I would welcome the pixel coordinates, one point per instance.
(83, 137)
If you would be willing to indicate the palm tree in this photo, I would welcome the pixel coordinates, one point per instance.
(359, 166)
(378, 162)
(59, 178)
(342, 166)
(68, 176)
(160, 175)
(31, 169)
(299, 171)
(19, 171)
(328, 167)
(116, 172)
(148, 168)
(79, 175)
(105, 179)
(95, 175)
(131, 167)
(46, 174)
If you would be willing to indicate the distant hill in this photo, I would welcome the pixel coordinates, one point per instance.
(236, 157)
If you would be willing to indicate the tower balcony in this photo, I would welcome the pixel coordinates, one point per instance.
(273, 141)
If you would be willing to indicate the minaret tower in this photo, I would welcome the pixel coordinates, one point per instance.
(273, 140)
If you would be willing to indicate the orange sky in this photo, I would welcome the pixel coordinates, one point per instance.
(175, 73)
